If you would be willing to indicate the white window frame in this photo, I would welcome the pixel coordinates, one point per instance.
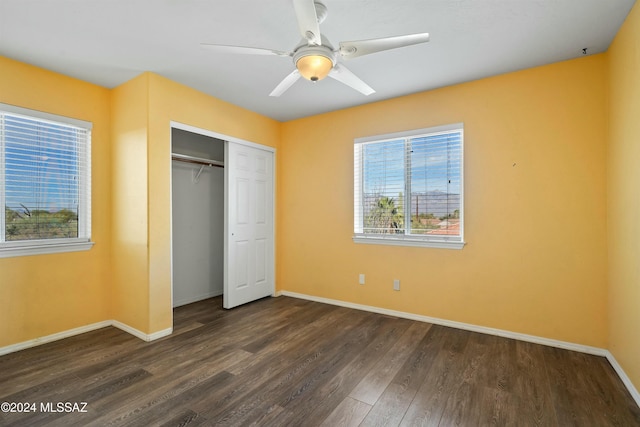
(48, 246)
(430, 241)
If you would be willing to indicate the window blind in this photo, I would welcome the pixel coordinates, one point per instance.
(45, 170)
(409, 185)
(433, 162)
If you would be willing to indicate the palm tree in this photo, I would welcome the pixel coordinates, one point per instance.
(384, 217)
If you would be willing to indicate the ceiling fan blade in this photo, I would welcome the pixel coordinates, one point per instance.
(308, 21)
(243, 50)
(357, 48)
(342, 74)
(286, 83)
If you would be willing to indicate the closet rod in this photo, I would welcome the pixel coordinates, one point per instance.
(196, 160)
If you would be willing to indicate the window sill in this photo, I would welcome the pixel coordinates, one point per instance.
(408, 241)
(45, 248)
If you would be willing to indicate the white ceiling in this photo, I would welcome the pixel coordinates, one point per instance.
(108, 42)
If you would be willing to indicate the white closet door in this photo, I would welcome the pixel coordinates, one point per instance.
(249, 238)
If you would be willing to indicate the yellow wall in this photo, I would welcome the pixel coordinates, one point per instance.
(45, 294)
(535, 259)
(129, 203)
(624, 196)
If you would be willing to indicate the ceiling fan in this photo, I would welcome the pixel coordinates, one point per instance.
(315, 58)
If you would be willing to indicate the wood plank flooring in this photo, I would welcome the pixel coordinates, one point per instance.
(289, 362)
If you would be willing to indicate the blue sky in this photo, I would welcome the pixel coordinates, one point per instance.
(42, 176)
(434, 165)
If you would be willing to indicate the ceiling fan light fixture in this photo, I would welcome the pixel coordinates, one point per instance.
(314, 67)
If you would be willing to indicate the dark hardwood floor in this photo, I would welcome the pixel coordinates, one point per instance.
(289, 362)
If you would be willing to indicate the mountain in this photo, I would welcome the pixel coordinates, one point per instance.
(437, 203)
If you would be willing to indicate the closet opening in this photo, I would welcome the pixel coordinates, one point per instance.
(198, 185)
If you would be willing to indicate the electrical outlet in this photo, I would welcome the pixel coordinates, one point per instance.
(396, 284)
(361, 279)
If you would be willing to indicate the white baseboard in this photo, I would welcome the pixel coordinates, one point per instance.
(623, 377)
(81, 330)
(481, 329)
(459, 325)
(53, 337)
(140, 334)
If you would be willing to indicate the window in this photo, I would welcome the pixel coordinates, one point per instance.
(408, 188)
(45, 183)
